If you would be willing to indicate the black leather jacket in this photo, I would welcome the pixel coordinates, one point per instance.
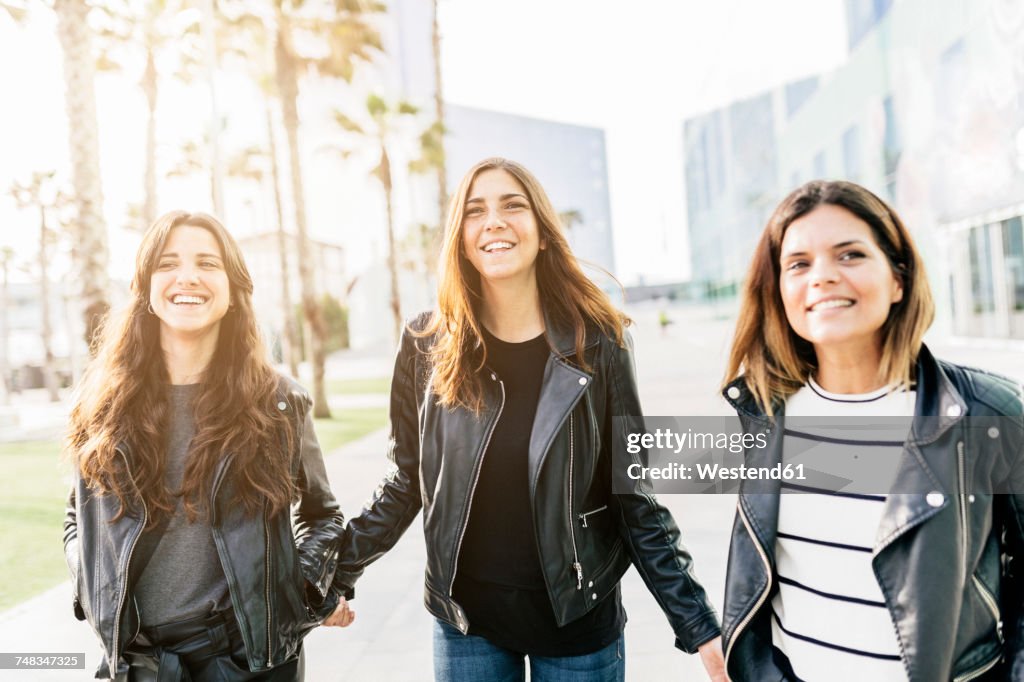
(956, 605)
(586, 536)
(279, 567)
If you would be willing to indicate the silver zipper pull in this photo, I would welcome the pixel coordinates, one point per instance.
(579, 575)
(583, 518)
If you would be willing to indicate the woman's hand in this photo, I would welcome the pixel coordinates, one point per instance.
(711, 656)
(343, 616)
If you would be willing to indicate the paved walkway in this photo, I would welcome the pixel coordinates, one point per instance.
(678, 373)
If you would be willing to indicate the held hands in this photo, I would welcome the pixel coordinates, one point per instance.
(711, 656)
(343, 616)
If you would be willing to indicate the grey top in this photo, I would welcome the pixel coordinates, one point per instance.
(184, 577)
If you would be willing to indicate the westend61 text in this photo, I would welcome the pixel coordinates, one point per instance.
(715, 472)
(667, 439)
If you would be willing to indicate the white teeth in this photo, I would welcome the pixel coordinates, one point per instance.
(495, 246)
(188, 299)
(834, 303)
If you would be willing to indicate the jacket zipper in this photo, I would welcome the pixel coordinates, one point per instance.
(266, 581)
(127, 564)
(990, 602)
(572, 530)
(764, 594)
(472, 488)
(960, 469)
(583, 517)
(978, 672)
(975, 582)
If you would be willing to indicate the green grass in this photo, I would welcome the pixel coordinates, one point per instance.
(348, 425)
(33, 488)
(356, 386)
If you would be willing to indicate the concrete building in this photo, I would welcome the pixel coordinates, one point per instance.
(569, 160)
(731, 180)
(927, 113)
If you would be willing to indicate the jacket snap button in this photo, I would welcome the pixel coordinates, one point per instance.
(590, 584)
(993, 432)
(594, 596)
(583, 381)
(282, 405)
(970, 498)
(954, 410)
(494, 377)
(934, 499)
(733, 392)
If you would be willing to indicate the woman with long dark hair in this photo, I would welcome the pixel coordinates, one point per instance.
(501, 433)
(190, 453)
(915, 574)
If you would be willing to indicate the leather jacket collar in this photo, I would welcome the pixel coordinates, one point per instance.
(921, 573)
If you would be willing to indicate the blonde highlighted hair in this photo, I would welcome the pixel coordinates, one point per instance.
(568, 298)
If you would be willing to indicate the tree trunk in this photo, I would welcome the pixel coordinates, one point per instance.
(210, 57)
(89, 230)
(287, 84)
(290, 348)
(149, 87)
(49, 374)
(385, 178)
(442, 179)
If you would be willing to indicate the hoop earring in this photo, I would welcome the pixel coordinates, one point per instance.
(149, 307)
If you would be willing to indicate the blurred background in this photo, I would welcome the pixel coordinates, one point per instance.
(327, 135)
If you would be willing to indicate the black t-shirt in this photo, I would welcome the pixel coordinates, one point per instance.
(499, 582)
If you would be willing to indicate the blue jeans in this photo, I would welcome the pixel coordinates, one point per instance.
(468, 658)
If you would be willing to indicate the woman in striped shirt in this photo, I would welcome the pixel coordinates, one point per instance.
(891, 562)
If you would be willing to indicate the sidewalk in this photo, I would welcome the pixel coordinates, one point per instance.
(678, 373)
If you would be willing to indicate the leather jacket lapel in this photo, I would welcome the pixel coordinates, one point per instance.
(760, 497)
(562, 388)
(927, 474)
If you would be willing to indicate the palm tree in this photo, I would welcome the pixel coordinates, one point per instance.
(432, 160)
(89, 231)
(151, 28)
(16, 10)
(570, 218)
(248, 164)
(247, 38)
(382, 123)
(436, 141)
(41, 195)
(349, 37)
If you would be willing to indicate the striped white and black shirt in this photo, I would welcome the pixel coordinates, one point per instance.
(829, 617)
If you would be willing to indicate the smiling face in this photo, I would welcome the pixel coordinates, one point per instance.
(837, 284)
(500, 236)
(189, 290)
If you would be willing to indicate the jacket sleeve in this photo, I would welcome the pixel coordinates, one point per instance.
(71, 548)
(316, 517)
(650, 533)
(396, 501)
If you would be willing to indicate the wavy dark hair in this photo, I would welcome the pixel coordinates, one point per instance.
(774, 360)
(568, 296)
(116, 437)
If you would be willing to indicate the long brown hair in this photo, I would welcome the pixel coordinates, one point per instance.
(121, 405)
(775, 362)
(568, 297)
